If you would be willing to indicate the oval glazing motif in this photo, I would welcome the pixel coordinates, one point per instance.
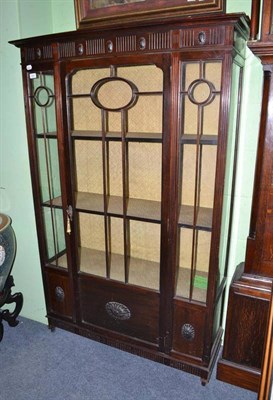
(43, 96)
(201, 92)
(114, 94)
(117, 311)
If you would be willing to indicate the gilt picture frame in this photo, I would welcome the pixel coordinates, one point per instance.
(99, 13)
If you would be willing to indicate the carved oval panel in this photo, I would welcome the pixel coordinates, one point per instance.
(118, 311)
(59, 293)
(114, 94)
(188, 332)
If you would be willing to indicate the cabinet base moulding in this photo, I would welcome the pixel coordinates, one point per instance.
(238, 375)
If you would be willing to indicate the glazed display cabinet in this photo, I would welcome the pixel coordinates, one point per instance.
(132, 139)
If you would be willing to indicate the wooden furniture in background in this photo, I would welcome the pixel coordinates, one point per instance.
(267, 363)
(250, 291)
(132, 140)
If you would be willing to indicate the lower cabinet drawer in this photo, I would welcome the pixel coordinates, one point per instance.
(59, 297)
(128, 310)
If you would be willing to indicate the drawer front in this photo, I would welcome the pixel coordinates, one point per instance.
(189, 322)
(127, 310)
(59, 296)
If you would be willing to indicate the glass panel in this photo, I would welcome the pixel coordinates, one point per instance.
(42, 98)
(145, 171)
(44, 103)
(194, 249)
(231, 154)
(199, 110)
(48, 161)
(118, 170)
(94, 257)
(145, 254)
(54, 236)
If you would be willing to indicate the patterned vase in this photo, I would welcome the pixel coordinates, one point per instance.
(7, 249)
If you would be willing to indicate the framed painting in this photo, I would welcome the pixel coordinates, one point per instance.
(116, 12)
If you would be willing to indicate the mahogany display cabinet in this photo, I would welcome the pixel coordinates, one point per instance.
(132, 136)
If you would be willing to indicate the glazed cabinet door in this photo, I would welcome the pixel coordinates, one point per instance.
(206, 161)
(45, 169)
(115, 111)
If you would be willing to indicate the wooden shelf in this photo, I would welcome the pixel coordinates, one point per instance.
(48, 135)
(155, 137)
(138, 209)
(116, 136)
(204, 139)
(56, 202)
(141, 272)
(204, 218)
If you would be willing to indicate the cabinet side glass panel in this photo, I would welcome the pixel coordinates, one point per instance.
(42, 97)
(229, 173)
(200, 95)
(116, 132)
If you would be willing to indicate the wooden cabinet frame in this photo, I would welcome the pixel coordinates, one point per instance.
(196, 60)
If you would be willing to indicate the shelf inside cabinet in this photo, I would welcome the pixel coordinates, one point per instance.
(55, 203)
(59, 261)
(204, 217)
(155, 137)
(48, 135)
(204, 139)
(136, 208)
(141, 272)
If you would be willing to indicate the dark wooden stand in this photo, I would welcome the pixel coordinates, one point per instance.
(7, 298)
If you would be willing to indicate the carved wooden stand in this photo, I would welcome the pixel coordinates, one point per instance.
(7, 298)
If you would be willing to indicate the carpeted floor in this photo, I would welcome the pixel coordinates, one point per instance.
(37, 364)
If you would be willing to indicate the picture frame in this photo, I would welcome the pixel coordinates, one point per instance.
(99, 13)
